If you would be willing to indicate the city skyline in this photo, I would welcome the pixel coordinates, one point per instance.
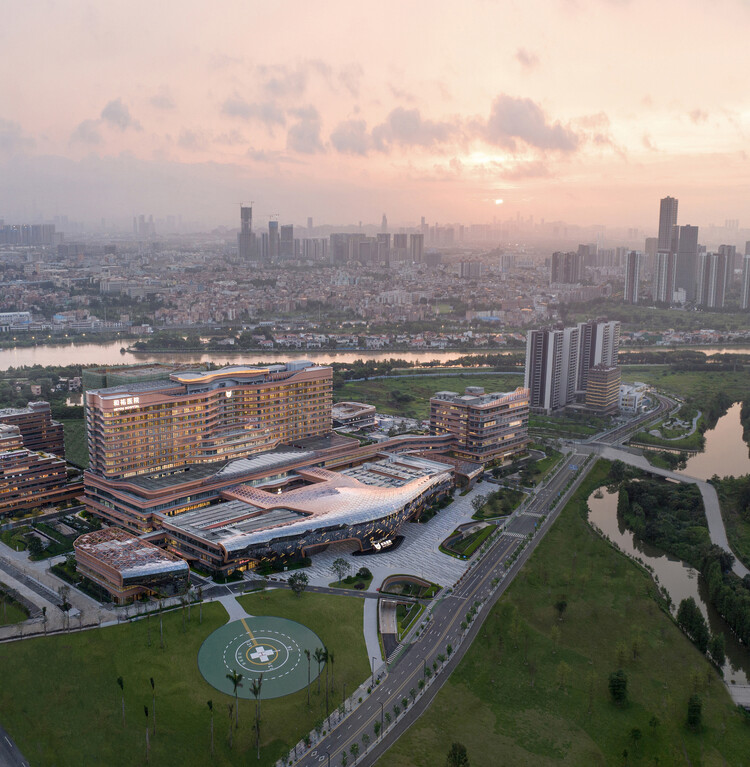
(163, 109)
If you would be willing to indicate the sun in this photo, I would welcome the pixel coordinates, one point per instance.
(498, 202)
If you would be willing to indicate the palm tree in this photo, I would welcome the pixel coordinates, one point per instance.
(121, 683)
(153, 701)
(44, 616)
(231, 730)
(236, 680)
(210, 705)
(307, 653)
(320, 656)
(200, 604)
(145, 711)
(255, 685)
(161, 625)
(327, 664)
(330, 660)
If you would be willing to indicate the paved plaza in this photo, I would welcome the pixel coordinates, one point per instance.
(418, 554)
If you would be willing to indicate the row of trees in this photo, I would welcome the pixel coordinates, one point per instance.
(691, 621)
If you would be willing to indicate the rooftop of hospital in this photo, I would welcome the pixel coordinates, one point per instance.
(127, 554)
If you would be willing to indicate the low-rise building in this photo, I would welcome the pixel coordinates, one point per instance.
(38, 430)
(127, 566)
(353, 415)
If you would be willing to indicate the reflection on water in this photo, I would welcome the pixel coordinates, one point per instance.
(109, 354)
(725, 452)
(680, 580)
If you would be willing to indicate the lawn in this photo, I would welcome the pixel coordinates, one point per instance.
(60, 701)
(699, 386)
(76, 450)
(532, 690)
(410, 397)
(465, 547)
(10, 611)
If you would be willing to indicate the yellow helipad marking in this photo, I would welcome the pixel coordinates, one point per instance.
(253, 642)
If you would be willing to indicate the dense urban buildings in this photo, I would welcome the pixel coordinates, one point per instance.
(567, 268)
(37, 429)
(712, 280)
(485, 427)
(353, 415)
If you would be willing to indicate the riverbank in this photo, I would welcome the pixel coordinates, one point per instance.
(533, 686)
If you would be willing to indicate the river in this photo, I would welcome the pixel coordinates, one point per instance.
(109, 354)
(725, 452)
(680, 580)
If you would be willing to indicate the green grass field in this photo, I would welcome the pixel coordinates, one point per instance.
(697, 385)
(60, 701)
(411, 397)
(532, 690)
(10, 612)
(76, 450)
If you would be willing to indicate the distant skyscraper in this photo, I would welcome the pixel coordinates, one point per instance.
(567, 268)
(273, 240)
(664, 274)
(309, 222)
(686, 264)
(245, 238)
(745, 288)
(667, 222)
(286, 241)
(384, 224)
(416, 246)
(730, 253)
(632, 277)
(384, 248)
(712, 280)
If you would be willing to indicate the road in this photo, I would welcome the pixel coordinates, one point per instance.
(485, 582)
(10, 756)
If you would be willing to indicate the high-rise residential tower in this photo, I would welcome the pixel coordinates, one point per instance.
(745, 287)
(712, 280)
(667, 222)
(246, 238)
(416, 246)
(686, 263)
(273, 240)
(632, 277)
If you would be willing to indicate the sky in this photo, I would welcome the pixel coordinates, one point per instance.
(586, 111)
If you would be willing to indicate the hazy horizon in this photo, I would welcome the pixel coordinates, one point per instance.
(587, 112)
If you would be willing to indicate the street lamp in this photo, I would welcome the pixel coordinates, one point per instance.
(381, 716)
(329, 758)
(373, 671)
(343, 697)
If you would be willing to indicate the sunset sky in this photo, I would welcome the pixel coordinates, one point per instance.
(582, 110)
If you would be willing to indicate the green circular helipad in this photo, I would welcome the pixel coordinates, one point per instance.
(273, 647)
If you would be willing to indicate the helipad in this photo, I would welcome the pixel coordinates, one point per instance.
(273, 647)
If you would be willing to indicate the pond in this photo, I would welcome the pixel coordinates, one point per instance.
(679, 579)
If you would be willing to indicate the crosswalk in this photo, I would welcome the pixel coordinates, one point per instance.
(519, 536)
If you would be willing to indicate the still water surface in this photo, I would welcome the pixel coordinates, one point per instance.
(109, 354)
(725, 452)
(680, 580)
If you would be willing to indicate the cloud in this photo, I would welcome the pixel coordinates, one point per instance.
(266, 112)
(193, 141)
(351, 137)
(698, 116)
(518, 119)
(350, 77)
(401, 95)
(116, 113)
(12, 137)
(407, 127)
(87, 132)
(647, 143)
(304, 135)
(527, 59)
(162, 100)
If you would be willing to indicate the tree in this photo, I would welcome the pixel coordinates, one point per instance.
(562, 674)
(716, 649)
(320, 657)
(561, 605)
(210, 705)
(236, 680)
(690, 619)
(340, 568)
(365, 740)
(44, 616)
(618, 687)
(307, 655)
(200, 604)
(298, 583)
(457, 756)
(354, 750)
(477, 502)
(255, 687)
(121, 684)
(694, 713)
(145, 711)
(617, 472)
(153, 700)
(35, 546)
(635, 736)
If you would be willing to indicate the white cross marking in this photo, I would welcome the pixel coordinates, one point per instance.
(262, 654)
